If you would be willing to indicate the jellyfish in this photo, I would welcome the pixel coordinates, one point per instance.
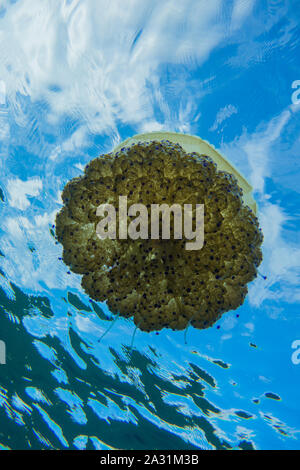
(157, 282)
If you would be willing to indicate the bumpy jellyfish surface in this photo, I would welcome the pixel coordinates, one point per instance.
(158, 282)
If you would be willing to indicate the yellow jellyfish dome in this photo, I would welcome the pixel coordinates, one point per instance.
(158, 282)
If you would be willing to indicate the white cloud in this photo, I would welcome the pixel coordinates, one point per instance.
(258, 148)
(223, 113)
(241, 10)
(281, 259)
(251, 152)
(18, 191)
(77, 140)
(93, 59)
(40, 267)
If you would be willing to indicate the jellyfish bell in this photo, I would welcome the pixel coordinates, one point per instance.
(158, 282)
(191, 145)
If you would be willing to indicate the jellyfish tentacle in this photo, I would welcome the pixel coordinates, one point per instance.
(262, 275)
(133, 335)
(109, 328)
(187, 327)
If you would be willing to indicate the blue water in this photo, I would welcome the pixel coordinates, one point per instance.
(76, 78)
